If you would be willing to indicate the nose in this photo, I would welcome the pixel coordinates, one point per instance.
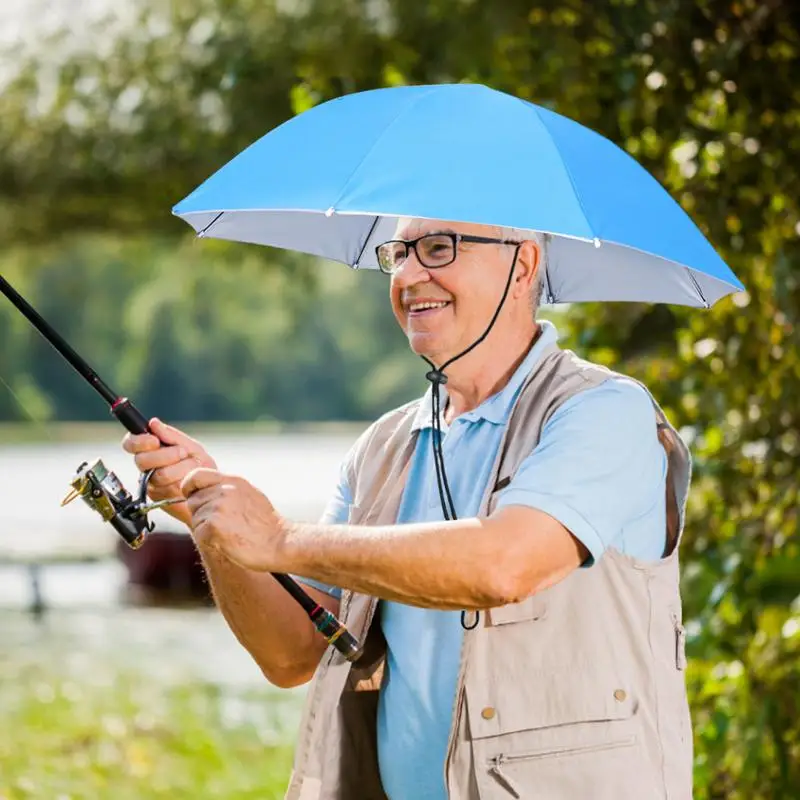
(410, 272)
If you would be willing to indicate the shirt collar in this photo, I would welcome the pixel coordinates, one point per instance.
(496, 408)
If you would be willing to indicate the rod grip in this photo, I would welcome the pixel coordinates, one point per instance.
(130, 416)
(336, 634)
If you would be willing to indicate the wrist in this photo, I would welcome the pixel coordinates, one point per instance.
(288, 541)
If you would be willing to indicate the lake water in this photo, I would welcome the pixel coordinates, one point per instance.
(297, 471)
(87, 612)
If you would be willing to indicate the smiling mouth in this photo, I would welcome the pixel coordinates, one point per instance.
(420, 309)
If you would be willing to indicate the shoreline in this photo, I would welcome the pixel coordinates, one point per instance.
(15, 433)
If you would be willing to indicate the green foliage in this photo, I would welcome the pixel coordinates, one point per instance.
(704, 93)
(204, 332)
(131, 740)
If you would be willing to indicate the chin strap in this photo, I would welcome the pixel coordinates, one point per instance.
(438, 378)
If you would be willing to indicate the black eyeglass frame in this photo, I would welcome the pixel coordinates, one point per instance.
(454, 237)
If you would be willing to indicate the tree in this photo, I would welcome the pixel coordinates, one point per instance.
(703, 93)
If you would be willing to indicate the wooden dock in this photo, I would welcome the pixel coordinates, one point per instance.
(166, 569)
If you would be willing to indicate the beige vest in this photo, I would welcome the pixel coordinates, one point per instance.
(576, 693)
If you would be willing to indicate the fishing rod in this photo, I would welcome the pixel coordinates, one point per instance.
(102, 490)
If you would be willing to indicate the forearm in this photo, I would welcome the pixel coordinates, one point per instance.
(461, 564)
(266, 620)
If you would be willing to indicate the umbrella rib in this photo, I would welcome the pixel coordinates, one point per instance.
(377, 140)
(697, 288)
(563, 164)
(551, 298)
(202, 233)
(372, 227)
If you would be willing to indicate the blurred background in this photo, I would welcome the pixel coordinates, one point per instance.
(118, 678)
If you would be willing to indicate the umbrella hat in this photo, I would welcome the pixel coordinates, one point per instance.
(334, 180)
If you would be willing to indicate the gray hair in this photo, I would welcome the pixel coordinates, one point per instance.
(542, 240)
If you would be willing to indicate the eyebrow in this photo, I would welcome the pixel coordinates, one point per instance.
(427, 233)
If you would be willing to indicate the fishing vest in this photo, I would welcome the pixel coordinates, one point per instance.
(575, 693)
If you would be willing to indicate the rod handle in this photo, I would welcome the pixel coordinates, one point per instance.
(336, 634)
(130, 416)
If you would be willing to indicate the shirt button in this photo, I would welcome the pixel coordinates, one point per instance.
(488, 713)
(620, 695)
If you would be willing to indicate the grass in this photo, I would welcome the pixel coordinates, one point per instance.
(118, 737)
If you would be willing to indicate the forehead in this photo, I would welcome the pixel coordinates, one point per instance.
(411, 228)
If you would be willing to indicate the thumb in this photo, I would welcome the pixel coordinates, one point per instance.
(199, 478)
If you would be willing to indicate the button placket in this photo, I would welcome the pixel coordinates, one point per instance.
(449, 442)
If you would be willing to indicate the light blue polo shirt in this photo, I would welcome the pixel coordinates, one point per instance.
(598, 469)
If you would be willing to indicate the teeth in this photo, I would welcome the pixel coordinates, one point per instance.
(423, 306)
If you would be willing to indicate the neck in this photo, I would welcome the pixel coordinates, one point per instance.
(480, 374)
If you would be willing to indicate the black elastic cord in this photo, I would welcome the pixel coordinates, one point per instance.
(437, 445)
(448, 496)
(436, 434)
(438, 378)
(445, 498)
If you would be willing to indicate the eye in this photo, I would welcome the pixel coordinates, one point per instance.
(438, 249)
(391, 254)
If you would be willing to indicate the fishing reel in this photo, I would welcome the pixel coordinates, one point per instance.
(103, 492)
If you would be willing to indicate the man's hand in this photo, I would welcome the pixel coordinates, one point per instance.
(231, 516)
(174, 455)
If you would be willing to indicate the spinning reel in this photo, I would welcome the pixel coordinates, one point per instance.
(103, 492)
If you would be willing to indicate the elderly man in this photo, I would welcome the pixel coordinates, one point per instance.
(511, 561)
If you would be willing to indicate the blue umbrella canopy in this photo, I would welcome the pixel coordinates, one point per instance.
(334, 181)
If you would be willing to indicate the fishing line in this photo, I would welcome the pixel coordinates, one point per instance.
(39, 424)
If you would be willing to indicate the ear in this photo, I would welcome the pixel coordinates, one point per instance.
(528, 260)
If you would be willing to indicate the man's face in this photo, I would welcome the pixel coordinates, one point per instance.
(470, 289)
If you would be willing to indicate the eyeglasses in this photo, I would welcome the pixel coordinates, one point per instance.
(433, 250)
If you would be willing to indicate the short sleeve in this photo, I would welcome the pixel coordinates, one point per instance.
(600, 470)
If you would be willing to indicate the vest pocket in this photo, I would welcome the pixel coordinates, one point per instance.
(537, 702)
(501, 765)
(531, 608)
(571, 735)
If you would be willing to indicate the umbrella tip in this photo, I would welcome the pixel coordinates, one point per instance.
(329, 212)
(596, 242)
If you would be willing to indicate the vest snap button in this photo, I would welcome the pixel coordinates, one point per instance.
(488, 713)
(620, 694)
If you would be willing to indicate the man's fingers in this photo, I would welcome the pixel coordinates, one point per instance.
(160, 434)
(200, 478)
(170, 435)
(174, 473)
(140, 443)
(167, 491)
(163, 457)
